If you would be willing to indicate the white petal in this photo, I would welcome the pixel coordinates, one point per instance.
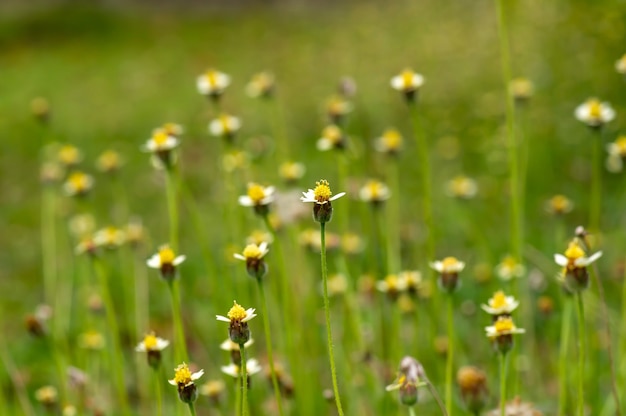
(197, 375)
(154, 262)
(231, 370)
(324, 144)
(178, 260)
(339, 195)
(141, 347)
(245, 201)
(239, 257)
(561, 260)
(172, 382)
(222, 318)
(397, 83)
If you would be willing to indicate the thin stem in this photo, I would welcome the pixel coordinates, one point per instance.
(268, 346)
(172, 207)
(503, 384)
(180, 348)
(411, 411)
(450, 357)
(596, 183)
(393, 220)
(17, 380)
(159, 392)
(581, 354)
(244, 380)
(48, 243)
(563, 362)
(192, 409)
(435, 394)
(331, 356)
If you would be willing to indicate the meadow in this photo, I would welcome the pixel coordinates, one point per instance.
(463, 207)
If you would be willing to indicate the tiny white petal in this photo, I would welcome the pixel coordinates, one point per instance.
(560, 259)
(222, 318)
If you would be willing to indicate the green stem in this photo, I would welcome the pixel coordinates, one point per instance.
(596, 183)
(435, 394)
(180, 348)
(48, 243)
(411, 411)
(563, 350)
(159, 392)
(244, 380)
(503, 384)
(113, 327)
(172, 207)
(329, 336)
(17, 380)
(280, 134)
(581, 354)
(393, 219)
(450, 357)
(268, 345)
(192, 409)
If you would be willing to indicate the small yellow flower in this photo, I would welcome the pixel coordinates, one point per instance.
(411, 280)
(224, 126)
(183, 377)
(47, 395)
(109, 237)
(411, 375)
(595, 113)
(261, 85)
(375, 192)
(337, 107)
(500, 304)
(166, 261)
(321, 194)
(390, 142)
(78, 184)
(332, 138)
(502, 327)
(213, 389)
(509, 268)
(620, 65)
(337, 284)
(173, 129)
(559, 205)
(212, 83)
(109, 161)
(70, 155)
(91, 340)
(521, 89)
(574, 257)
(134, 232)
(257, 195)
(152, 343)
(391, 285)
(161, 141)
(237, 314)
(291, 171)
(235, 160)
(462, 187)
(407, 82)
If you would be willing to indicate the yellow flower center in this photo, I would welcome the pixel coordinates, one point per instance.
(109, 160)
(237, 313)
(322, 191)
(504, 325)
(211, 76)
(150, 342)
(498, 300)
(375, 189)
(182, 375)
(407, 78)
(252, 251)
(461, 186)
(160, 137)
(166, 255)
(332, 133)
(595, 108)
(392, 281)
(574, 251)
(225, 120)
(69, 155)
(79, 181)
(392, 139)
(256, 192)
(559, 203)
(449, 262)
(621, 145)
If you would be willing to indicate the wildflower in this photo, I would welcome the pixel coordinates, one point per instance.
(234, 370)
(448, 269)
(40, 107)
(473, 385)
(391, 286)
(225, 126)
(337, 284)
(134, 232)
(253, 256)
(78, 184)
(235, 160)
(291, 172)
(389, 143)
(374, 192)
(521, 89)
(595, 113)
(50, 173)
(213, 389)
(212, 83)
(259, 197)
(161, 144)
(516, 407)
(574, 264)
(509, 268)
(184, 380)
(36, 324)
(617, 154)
(109, 237)
(166, 261)
(620, 65)
(545, 304)
(229, 345)
(332, 138)
(501, 332)
(351, 243)
(410, 376)
(172, 129)
(559, 205)
(109, 161)
(500, 304)
(261, 85)
(238, 318)
(91, 340)
(461, 187)
(321, 197)
(70, 156)
(48, 396)
(412, 281)
(337, 108)
(152, 345)
(407, 82)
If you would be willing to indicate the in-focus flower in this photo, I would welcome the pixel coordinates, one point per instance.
(595, 113)
(337, 108)
(322, 197)
(559, 205)
(521, 89)
(109, 162)
(152, 345)
(411, 375)
(70, 156)
(509, 268)
(617, 154)
(473, 385)
(161, 144)
(501, 333)
(234, 370)
(78, 184)
(238, 318)
(574, 264)
(332, 138)
(448, 269)
(253, 256)
(461, 187)
(212, 83)
(391, 285)
(408, 82)
(374, 192)
(261, 85)
(620, 65)
(184, 381)
(291, 172)
(225, 126)
(389, 143)
(109, 238)
(166, 261)
(259, 197)
(500, 304)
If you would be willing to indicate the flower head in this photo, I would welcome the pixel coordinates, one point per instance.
(184, 379)
(291, 172)
(574, 263)
(259, 197)
(253, 256)
(391, 285)
(407, 82)
(69, 155)
(47, 396)
(448, 269)
(40, 107)
(238, 318)
(213, 389)
(234, 370)
(337, 108)
(462, 187)
(332, 138)
(473, 385)
(261, 85)
(595, 113)
(411, 375)
(620, 65)
(411, 280)
(161, 144)
(321, 196)
(109, 161)
(500, 304)
(212, 83)
(559, 205)
(109, 237)
(617, 154)
(225, 126)
(375, 192)
(389, 143)
(521, 89)
(78, 184)
(152, 345)
(166, 261)
(509, 268)
(502, 331)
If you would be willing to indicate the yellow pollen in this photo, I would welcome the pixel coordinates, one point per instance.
(392, 139)
(160, 137)
(402, 379)
(332, 133)
(322, 191)
(166, 255)
(498, 300)
(559, 203)
(574, 251)
(449, 262)
(69, 155)
(150, 342)
(79, 181)
(182, 374)
(595, 108)
(392, 281)
(504, 325)
(256, 192)
(407, 78)
(375, 189)
(211, 76)
(252, 251)
(237, 313)
(224, 119)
